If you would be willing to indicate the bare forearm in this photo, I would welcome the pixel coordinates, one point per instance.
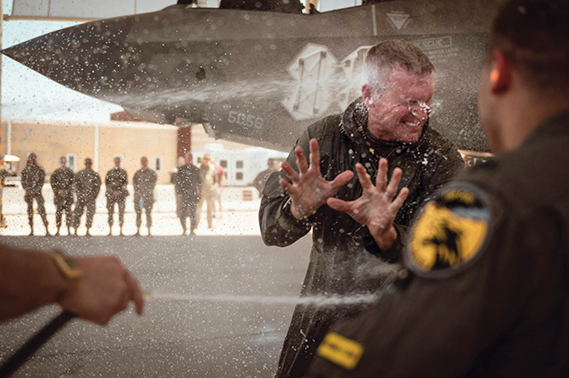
(28, 280)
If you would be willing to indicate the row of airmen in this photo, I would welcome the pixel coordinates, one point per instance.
(86, 185)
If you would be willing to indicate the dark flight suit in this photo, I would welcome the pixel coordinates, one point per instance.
(188, 185)
(340, 263)
(488, 288)
(144, 181)
(87, 183)
(62, 180)
(33, 178)
(116, 181)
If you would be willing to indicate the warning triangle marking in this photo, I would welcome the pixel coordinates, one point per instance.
(398, 19)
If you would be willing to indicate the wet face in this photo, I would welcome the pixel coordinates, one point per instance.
(32, 159)
(117, 162)
(144, 162)
(62, 161)
(88, 163)
(401, 111)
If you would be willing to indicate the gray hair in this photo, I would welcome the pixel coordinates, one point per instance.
(383, 57)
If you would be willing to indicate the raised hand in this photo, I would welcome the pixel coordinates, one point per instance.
(308, 190)
(378, 205)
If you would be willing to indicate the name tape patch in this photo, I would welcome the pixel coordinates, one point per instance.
(340, 350)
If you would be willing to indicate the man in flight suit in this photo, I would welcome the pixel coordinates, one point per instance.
(485, 289)
(87, 184)
(144, 181)
(62, 185)
(390, 120)
(116, 181)
(33, 178)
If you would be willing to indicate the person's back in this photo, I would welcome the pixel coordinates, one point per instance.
(485, 287)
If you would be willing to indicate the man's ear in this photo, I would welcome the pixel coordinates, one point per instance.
(367, 94)
(501, 73)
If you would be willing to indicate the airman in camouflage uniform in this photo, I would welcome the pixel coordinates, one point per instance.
(33, 178)
(116, 181)
(87, 184)
(62, 185)
(144, 182)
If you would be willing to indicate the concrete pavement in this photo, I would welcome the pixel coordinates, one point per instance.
(175, 338)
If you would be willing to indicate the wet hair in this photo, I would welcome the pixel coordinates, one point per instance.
(382, 58)
(534, 34)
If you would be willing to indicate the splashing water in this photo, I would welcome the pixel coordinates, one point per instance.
(318, 300)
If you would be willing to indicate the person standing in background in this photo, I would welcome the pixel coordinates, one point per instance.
(33, 178)
(188, 186)
(87, 185)
(62, 186)
(208, 187)
(263, 176)
(3, 174)
(221, 179)
(144, 182)
(116, 181)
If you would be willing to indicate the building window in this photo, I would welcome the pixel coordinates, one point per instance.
(223, 163)
(239, 176)
(72, 161)
(239, 164)
(158, 163)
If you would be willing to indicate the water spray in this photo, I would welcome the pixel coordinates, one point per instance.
(44, 334)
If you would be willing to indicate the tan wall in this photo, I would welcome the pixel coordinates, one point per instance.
(131, 140)
(50, 140)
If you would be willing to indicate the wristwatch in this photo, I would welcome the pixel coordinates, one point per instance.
(67, 266)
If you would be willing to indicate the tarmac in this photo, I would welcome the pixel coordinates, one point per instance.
(216, 308)
(239, 215)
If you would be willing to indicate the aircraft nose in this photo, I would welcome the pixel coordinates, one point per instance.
(78, 57)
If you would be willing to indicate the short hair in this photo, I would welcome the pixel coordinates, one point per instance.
(535, 35)
(382, 58)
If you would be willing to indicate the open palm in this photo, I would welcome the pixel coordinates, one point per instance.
(378, 205)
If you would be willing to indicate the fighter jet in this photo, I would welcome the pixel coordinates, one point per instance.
(262, 76)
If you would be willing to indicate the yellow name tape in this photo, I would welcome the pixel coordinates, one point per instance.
(340, 350)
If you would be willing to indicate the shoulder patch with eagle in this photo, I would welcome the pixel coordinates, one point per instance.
(449, 233)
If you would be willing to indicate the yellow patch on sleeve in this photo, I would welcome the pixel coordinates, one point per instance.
(449, 233)
(340, 350)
